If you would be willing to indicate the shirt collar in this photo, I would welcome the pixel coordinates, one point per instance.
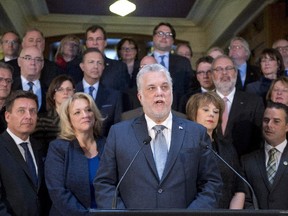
(16, 138)
(87, 85)
(230, 97)
(279, 147)
(167, 123)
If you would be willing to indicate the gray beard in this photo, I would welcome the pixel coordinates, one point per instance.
(225, 88)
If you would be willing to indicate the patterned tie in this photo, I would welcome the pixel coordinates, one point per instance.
(160, 149)
(162, 60)
(30, 84)
(271, 165)
(225, 115)
(91, 89)
(30, 162)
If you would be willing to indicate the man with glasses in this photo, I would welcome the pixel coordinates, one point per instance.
(239, 52)
(179, 67)
(241, 120)
(31, 63)
(282, 46)
(115, 74)
(10, 44)
(5, 89)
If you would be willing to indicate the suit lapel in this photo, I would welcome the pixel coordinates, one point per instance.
(101, 96)
(260, 161)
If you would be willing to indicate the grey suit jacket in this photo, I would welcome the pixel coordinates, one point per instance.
(269, 196)
(18, 194)
(190, 180)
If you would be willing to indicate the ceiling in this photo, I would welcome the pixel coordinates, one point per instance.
(145, 8)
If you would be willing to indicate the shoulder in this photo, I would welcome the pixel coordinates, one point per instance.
(247, 96)
(60, 144)
(250, 158)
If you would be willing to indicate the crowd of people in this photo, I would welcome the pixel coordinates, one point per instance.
(86, 132)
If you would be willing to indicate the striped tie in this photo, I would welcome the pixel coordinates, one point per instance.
(271, 165)
(30, 84)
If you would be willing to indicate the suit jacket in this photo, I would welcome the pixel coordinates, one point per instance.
(18, 194)
(109, 102)
(269, 196)
(67, 177)
(17, 85)
(184, 99)
(190, 178)
(252, 75)
(244, 123)
(115, 75)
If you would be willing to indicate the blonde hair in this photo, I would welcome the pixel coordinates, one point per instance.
(69, 38)
(66, 129)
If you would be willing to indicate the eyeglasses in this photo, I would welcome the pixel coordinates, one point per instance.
(280, 90)
(10, 42)
(202, 73)
(235, 47)
(283, 48)
(7, 80)
(164, 34)
(265, 60)
(29, 58)
(90, 39)
(221, 69)
(127, 49)
(62, 90)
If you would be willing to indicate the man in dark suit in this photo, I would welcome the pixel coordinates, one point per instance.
(241, 121)
(115, 74)
(266, 169)
(174, 171)
(282, 46)
(31, 63)
(109, 101)
(35, 38)
(239, 52)
(10, 44)
(22, 187)
(179, 67)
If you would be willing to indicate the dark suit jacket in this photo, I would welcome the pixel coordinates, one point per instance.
(190, 178)
(109, 102)
(17, 85)
(184, 99)
(115, 75)
(244, 123)
(269, 196)
(67, 177)
(252, 75)
(18, 194)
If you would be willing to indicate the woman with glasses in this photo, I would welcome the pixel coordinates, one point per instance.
(271, 65)
(127, 51)
(61, 88)
(278, 91)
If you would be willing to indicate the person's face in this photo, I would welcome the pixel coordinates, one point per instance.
(92, 66)
(224, 75)
(282, 47)
(204, 75)
(65, 91)
(274, 126)
(128, 51)
(208, 116)
(5, 83)
(185, 52)
(163, 43)
(269, 66)
(81, 116)
(96, 40)
(70, 49)
(10, 45)
(279, 93)
(31, 63)
(33, 39)
(237, 51)
(155, 95)
(22, 118)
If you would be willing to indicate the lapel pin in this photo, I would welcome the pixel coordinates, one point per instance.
(285, 163)
(180, 127)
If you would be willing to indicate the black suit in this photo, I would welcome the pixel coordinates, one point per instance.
(109, 102)
(184, 99)
(18, 194)
(269, 196)
(244, 123)
(252, 75)
(17, 85)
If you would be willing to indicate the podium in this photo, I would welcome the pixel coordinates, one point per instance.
(186, 212)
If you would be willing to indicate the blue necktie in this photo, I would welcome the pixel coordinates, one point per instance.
(160, 149)
(162, 60)
(30, 162)
(91, 89)
(30, 84)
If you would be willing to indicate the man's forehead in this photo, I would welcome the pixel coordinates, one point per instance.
(274, 113)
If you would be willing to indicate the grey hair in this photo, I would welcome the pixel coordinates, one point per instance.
(244, 43)
(156, 68)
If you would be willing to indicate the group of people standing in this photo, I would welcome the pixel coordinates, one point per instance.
(64, 148)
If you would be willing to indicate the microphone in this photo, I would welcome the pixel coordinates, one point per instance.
(114, 201)
(254, 199)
